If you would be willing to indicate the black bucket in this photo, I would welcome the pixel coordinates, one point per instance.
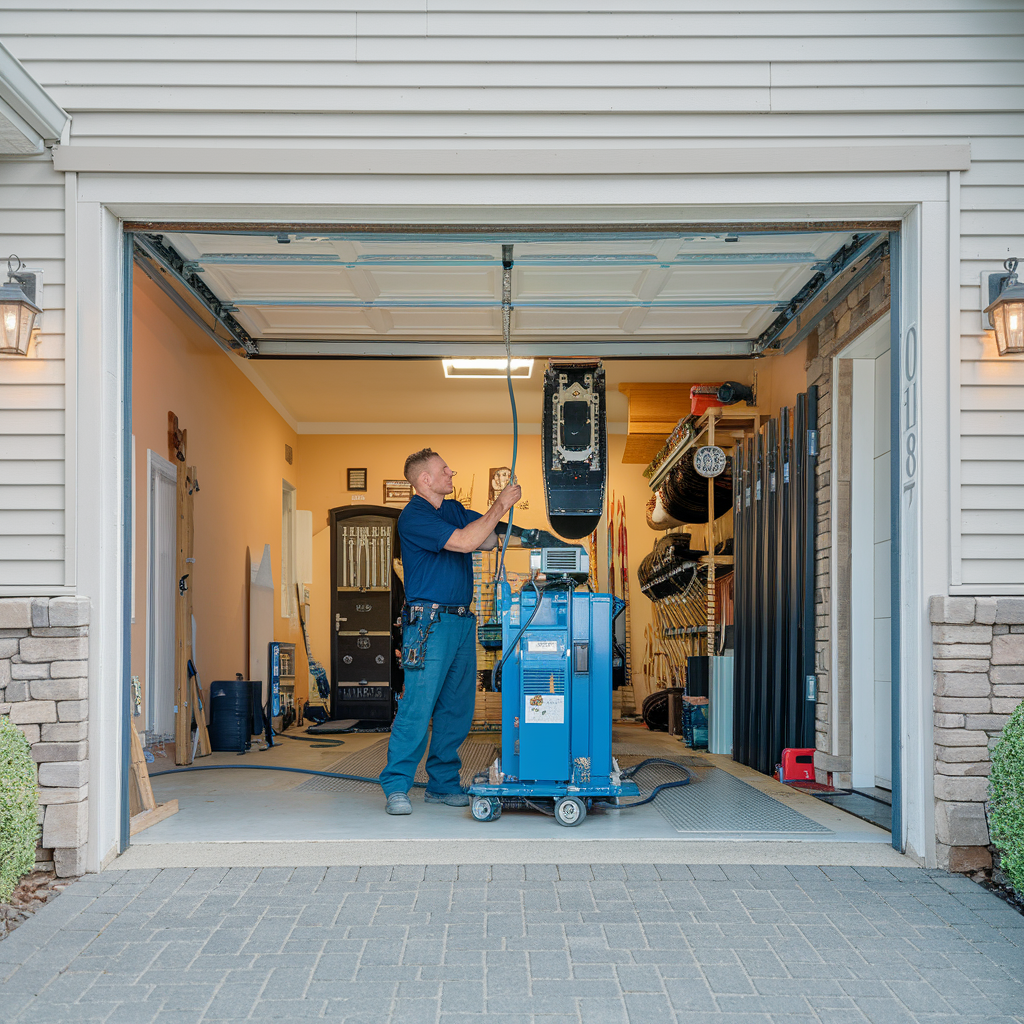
(230, 714)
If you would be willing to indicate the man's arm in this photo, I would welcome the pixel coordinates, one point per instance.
(475, 535)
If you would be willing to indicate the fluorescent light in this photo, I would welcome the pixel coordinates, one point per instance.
(475, 368)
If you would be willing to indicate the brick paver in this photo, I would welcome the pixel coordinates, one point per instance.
(540, 944)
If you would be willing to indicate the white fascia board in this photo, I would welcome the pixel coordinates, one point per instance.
(419, 162)
(33, 144)
(29, 100)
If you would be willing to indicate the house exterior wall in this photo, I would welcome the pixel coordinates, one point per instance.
(507, 79)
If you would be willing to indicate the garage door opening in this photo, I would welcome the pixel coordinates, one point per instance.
(303, 367)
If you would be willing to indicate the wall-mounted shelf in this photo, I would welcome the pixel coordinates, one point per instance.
(725, 417)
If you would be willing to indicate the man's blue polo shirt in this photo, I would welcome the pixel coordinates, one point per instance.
(431, 573)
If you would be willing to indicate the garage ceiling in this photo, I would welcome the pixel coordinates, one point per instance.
(303, 294)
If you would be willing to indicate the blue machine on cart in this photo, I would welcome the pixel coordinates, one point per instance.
(556, 696)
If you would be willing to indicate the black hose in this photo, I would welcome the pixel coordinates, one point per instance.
(496, 671)
(273, 768)
(630, 772)
(320, 741)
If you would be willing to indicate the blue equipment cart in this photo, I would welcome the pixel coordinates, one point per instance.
(556, 703)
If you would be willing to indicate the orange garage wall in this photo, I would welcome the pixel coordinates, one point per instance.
(236, 442)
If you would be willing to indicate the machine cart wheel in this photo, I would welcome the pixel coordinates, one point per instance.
(569, 811)
(485, 808)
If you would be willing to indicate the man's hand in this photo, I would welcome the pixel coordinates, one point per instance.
(510, 494)
(479, 534)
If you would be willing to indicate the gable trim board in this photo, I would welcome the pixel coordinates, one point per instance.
(607, 161)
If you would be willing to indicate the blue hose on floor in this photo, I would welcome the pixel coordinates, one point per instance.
(273, 768)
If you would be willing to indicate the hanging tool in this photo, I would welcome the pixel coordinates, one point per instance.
(610, 528)
(316, 670)
(623, 556)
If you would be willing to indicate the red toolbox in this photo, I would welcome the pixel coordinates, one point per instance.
(797, 765)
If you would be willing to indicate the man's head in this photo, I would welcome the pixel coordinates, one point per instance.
(429, 474)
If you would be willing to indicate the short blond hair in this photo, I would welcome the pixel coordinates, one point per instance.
(417, 462)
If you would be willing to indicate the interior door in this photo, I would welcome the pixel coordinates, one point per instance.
(160, 620)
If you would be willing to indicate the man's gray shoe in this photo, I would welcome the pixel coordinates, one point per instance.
(398, 803)
(451, 799)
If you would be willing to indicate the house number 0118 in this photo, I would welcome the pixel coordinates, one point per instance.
(909, 417)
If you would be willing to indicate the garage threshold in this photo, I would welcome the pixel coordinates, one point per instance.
(250, 818)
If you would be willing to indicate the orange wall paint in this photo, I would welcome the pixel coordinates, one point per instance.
(236, 442)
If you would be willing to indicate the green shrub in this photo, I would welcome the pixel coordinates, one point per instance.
(1006, 798)
(19, 808)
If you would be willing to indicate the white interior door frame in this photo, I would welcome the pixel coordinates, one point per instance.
(863, 352)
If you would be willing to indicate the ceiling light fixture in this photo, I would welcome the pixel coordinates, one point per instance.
(1006, 312)
(494, 368)
(17, 310)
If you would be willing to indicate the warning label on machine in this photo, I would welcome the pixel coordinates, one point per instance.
(545, 707)
(534, 646)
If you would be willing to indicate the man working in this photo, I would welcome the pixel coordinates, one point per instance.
(439, 631)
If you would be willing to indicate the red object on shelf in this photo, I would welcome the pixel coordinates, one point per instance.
(703, 397)
(797, 765)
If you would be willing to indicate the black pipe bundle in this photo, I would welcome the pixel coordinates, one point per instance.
(669, 567)
(684, 493)
(774, 518)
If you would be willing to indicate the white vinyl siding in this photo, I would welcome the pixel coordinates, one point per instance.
(32, 390)
(563, 74)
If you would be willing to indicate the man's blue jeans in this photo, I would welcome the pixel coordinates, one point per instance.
(443, 689)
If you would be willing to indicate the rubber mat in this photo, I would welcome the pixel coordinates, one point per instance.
(477, 756)
(718, 803)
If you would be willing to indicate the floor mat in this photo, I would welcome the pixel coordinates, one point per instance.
(717, 802)
(864, 807)
(477, 756)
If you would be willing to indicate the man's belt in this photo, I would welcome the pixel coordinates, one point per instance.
(447, 609)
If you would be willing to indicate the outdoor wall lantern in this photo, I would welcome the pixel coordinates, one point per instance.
(18, 311)
(1006, 312)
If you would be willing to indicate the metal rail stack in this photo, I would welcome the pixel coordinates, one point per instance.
(774, 517)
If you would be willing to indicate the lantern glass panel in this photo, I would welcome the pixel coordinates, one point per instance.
(1009, 327)
(16, 322)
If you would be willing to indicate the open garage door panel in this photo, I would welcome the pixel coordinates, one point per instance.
(295, 293)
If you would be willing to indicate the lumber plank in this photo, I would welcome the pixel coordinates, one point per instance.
(146, 818)
(182, 623)
(141, 788)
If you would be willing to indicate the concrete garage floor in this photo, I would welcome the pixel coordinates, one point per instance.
(275, 818)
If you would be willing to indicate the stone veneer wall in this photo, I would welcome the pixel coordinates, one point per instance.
(978, 659)
(44, 652)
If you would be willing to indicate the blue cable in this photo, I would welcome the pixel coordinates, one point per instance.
(507, 330)
(272, 768)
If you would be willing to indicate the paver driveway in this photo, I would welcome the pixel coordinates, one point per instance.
(540, 944)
